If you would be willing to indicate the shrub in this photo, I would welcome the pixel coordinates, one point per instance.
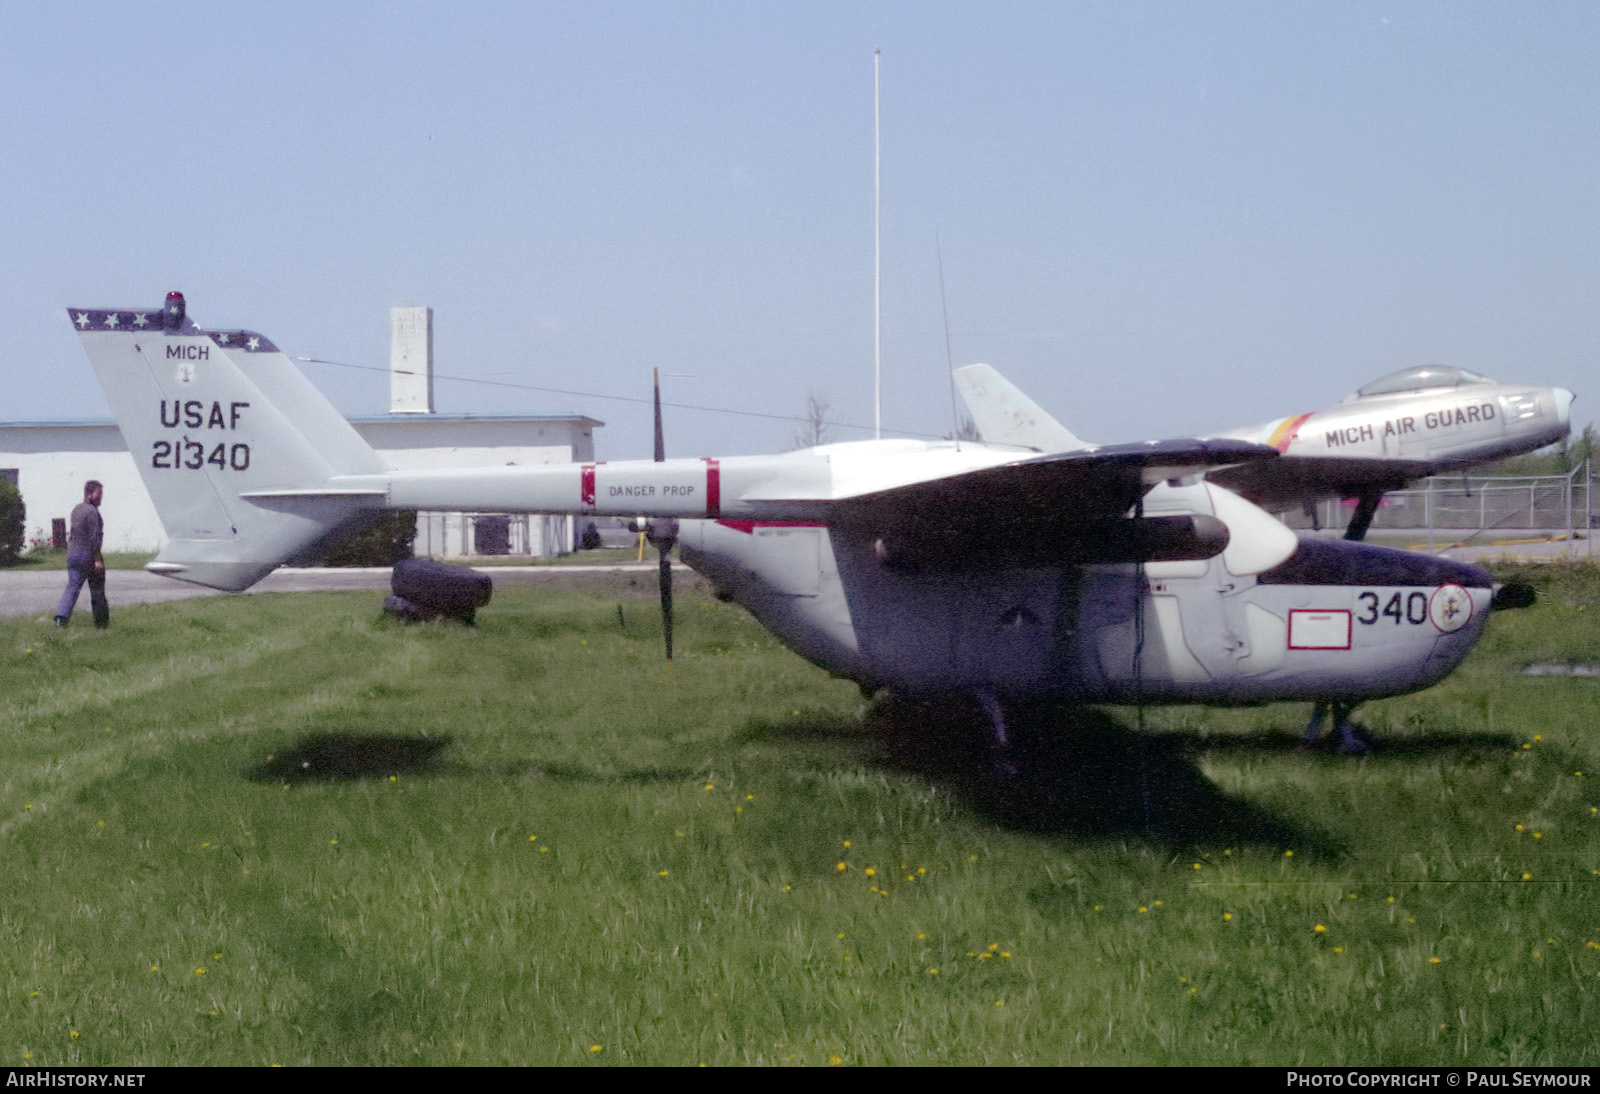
(12, 513)
(385, 543)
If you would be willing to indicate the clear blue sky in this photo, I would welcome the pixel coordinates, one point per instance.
(1157, 218)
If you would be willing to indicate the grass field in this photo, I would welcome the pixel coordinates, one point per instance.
(283, 829)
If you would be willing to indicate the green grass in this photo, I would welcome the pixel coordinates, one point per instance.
(50, 558)
(512, 843)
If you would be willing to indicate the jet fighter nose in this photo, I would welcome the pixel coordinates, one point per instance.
(1563, 399)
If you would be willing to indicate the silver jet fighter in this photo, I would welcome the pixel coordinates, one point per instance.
(1408, 425)
(1112, 574)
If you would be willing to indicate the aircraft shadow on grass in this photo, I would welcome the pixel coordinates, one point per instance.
(345, 757)
(1080, 772)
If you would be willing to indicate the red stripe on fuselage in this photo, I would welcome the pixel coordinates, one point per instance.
(586, 486)
(748, 527)
(713, 488)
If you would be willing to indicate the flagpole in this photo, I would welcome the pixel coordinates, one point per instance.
(877, 250)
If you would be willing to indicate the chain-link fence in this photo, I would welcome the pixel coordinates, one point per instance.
(1475, 503)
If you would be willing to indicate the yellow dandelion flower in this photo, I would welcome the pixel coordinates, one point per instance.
(1197, 866)
(595, 1048)
(1227, 915)
(333, 843)
(840, 936)
(870, 872)
(543, 849)
(1155, 904)
(73, 1033)
(1434, 960)
(841, 866)
(533, 839)
(1143, 909)
(711, 786)
(933, 971)
(833, 1061)
(845, 842)
(1538, 835)
(1321, 928)
(1527, 876)
(1288, 854)
(1338, 949)
(663, 873)
(199, 970)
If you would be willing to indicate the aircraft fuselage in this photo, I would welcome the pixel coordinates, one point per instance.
(1337, 621)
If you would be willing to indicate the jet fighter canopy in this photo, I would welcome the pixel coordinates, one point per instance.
(1420, 378)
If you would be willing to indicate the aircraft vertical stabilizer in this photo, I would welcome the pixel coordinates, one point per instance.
(1004, 415)
(205, 438)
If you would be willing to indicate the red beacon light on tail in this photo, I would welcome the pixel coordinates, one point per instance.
(172, 312)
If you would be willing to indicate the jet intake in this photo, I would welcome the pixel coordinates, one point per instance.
(1010, 545)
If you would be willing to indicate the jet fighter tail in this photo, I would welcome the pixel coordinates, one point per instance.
(240, 489)
(1002, 414)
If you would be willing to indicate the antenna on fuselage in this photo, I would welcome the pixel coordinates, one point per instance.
(949, 359)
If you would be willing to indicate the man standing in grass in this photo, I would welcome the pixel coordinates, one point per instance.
(84, 562)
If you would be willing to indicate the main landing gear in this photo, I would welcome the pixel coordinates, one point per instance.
(1001, 754)
(1349, 742)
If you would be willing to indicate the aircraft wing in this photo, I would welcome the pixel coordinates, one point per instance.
(1095, 483)
(1293, 478)
(1069, 506)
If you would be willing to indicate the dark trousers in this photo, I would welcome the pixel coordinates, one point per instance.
(78, 572)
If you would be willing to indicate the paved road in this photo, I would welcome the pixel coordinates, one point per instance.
(35, 592)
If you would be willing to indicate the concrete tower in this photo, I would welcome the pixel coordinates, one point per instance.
(411, 360)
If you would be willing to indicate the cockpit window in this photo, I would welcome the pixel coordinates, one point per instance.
(1422, 378)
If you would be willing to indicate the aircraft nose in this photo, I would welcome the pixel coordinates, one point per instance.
(1563, 399)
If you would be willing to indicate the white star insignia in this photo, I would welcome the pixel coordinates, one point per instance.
(223, 339)
(141, 320)
(111, 320)
(82, 320)
(254, 343)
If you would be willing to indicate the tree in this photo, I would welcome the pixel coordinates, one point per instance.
(814, 426)
(12, 514)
